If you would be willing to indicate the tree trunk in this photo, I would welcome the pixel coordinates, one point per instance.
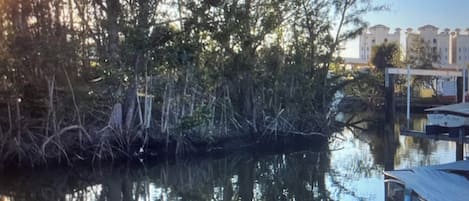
(113, 13)
(130, 106)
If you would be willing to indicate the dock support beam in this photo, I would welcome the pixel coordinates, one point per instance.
(408, 96)
(464, 84)
(459, 89)
(390, 104)
(390, 138)
(460, 145)
(459, 152)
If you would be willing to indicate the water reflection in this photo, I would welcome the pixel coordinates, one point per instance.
(419, 151)
(375, 145)
(349, 168)
(298, 176)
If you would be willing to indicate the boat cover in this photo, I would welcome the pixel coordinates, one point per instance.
(437, 183)
(457, 109)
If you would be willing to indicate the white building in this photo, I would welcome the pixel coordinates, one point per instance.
(462, 47)
(438, 43)
(442, 46)
(451, 48)
(376, 35)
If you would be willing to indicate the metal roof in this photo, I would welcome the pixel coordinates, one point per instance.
(457, 109)
(436, 183)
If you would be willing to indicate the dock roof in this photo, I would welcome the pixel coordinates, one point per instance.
(436, 183)
(461, 109)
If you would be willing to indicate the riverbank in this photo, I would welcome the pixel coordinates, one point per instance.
(190, 178)
(158, 147)
(348, 169)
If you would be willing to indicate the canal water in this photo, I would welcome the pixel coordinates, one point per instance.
(349, 168)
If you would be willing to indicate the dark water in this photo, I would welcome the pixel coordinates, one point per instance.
(349, 168)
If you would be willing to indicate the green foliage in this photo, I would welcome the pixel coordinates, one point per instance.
(422, 55)
(199, 117)
(211, 66)
(369, 86)
(386, 55)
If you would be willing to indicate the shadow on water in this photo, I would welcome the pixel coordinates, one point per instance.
(295, 174)
(380, 132)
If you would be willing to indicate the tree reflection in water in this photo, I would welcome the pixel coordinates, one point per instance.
(345, 169)
(296, 175)
(387, 147)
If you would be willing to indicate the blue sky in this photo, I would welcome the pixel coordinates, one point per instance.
(415, 13)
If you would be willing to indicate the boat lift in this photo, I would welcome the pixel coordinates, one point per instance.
(389, 86)
(451, 110)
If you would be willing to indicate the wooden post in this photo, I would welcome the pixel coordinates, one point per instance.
(464, 84)
(408, 96)
(389, 129)
(460, 145)
(390, 105)
(459, 89)
(459, 152)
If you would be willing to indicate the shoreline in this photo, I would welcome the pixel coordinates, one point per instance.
(157, 150)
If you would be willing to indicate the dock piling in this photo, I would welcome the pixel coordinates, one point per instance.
(390, 106)
(460, 145)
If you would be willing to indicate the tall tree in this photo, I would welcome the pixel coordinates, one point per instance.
(386, 55)
(423, 55)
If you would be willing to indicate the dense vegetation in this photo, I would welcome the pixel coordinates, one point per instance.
(102, 78)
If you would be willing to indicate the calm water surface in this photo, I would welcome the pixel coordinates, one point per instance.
(349, 168)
